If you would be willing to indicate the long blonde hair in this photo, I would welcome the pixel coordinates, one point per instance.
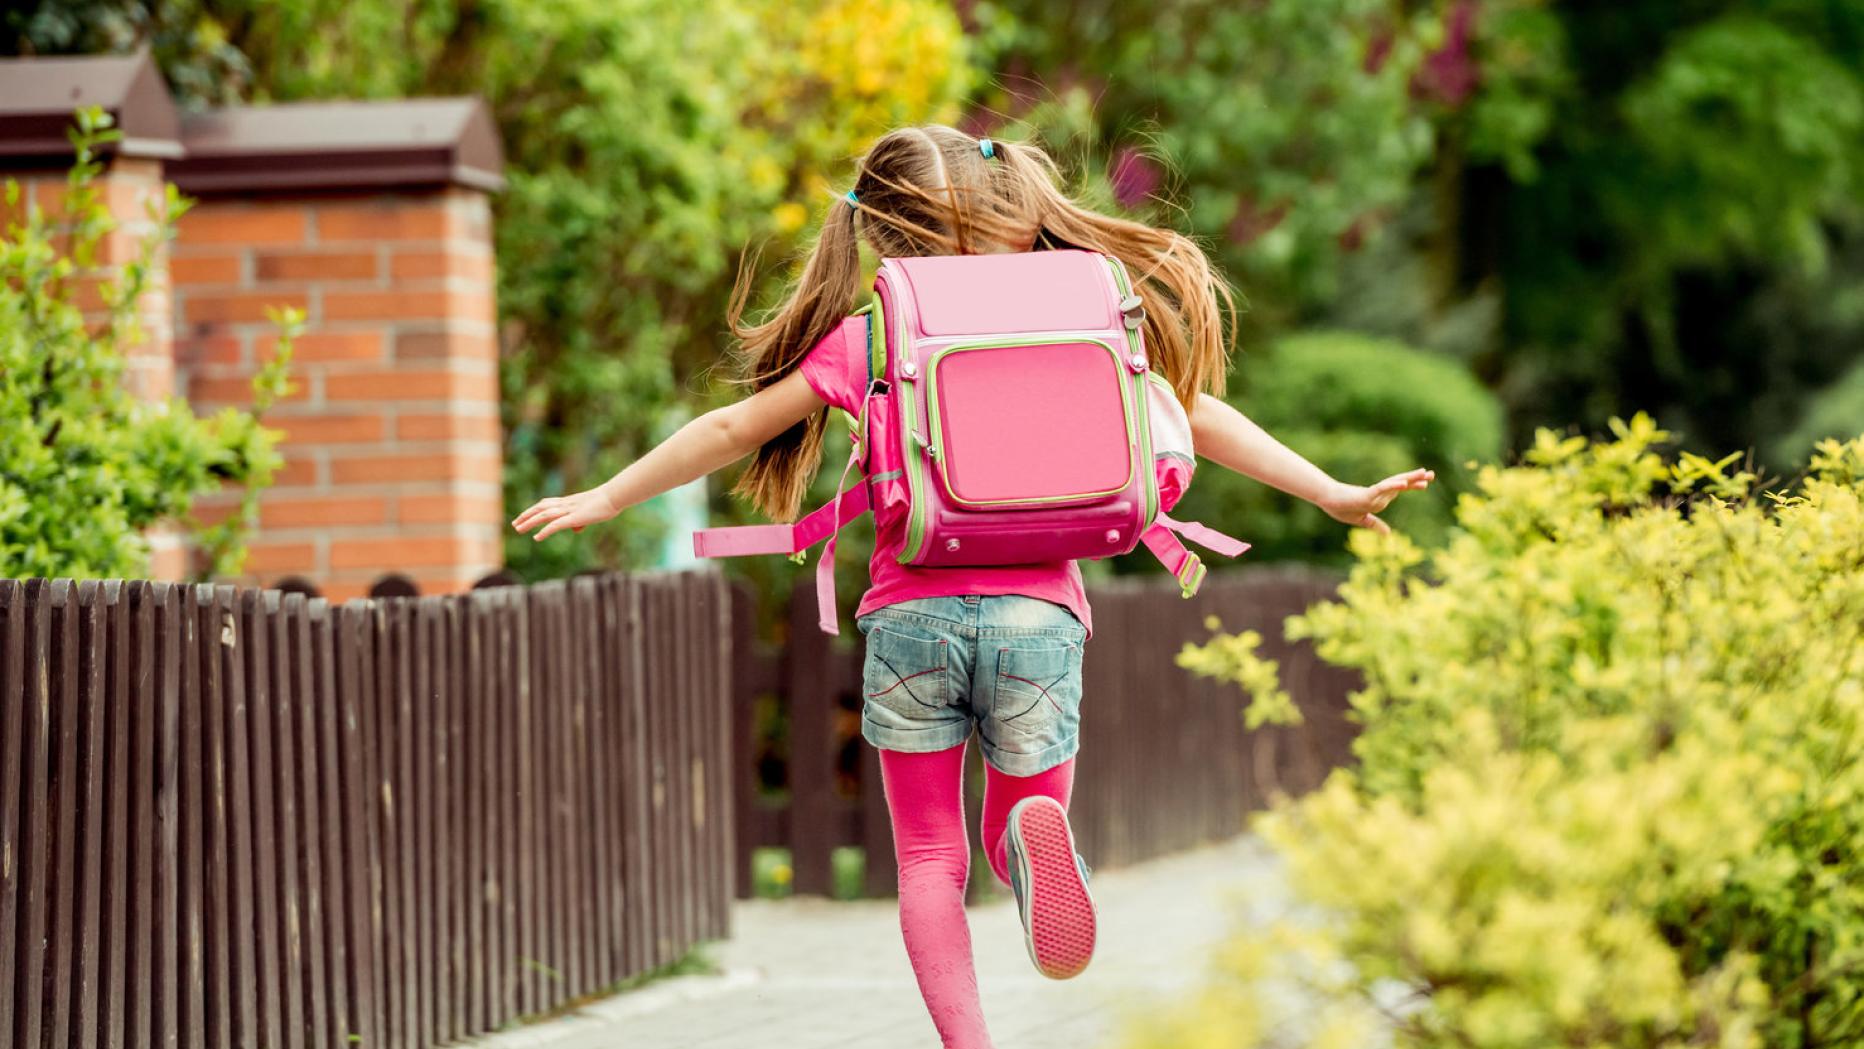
(931, 191)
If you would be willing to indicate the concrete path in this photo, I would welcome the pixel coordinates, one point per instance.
(820, 974)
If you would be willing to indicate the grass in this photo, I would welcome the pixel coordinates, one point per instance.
(771, 873)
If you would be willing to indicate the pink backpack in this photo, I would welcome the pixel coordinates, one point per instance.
(1011, 415)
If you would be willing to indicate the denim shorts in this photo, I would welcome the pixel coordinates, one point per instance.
(1012, 664)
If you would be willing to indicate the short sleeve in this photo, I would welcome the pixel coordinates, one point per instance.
(836, 367)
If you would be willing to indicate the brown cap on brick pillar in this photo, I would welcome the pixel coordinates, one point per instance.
(340, 145)
(38, 96)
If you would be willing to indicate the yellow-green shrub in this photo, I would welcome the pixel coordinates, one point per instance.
(1608, 789)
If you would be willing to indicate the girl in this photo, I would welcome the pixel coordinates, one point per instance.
(949, 647)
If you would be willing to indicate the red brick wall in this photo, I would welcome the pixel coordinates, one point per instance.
(392, 454)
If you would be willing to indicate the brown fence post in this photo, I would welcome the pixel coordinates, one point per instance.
(881, 871)
(812, 785)
(636, 790)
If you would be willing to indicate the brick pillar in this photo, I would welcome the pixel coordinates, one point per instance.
(392, 454)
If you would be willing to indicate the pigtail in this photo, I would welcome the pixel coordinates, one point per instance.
(778, 474)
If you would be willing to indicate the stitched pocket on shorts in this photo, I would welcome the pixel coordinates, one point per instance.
(905, 672)
(1038, 694)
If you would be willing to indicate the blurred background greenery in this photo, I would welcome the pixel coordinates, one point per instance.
(1451, 220)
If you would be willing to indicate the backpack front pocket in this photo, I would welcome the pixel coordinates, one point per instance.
(1030, 423)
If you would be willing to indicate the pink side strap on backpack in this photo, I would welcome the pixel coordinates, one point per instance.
(1187, 567)
(825, 521)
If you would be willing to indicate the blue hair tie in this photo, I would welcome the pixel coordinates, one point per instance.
(987, 148)
(852, 199)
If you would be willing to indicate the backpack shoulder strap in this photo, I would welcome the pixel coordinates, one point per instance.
(876, 340)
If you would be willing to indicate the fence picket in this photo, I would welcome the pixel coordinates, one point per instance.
(92, 797)
(118, 935)
(64, 775)
(13, 754)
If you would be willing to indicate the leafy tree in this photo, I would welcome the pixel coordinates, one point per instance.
(1608, 788)
(86, 467)
(1699, 157)
(1276, 131)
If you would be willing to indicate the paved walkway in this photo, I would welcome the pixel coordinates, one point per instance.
(820, 974)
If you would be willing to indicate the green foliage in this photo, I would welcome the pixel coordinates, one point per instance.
(1609, 790)
(1282, 134)
(1833, 412)
(85, 466)
(1754, 130)
(1694, 162)
(1362, 409)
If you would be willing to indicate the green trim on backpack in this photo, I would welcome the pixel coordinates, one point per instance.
(876, 340)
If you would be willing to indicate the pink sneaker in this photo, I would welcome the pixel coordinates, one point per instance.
(1049, 880)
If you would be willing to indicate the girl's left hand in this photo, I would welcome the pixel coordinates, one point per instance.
(1360, 504)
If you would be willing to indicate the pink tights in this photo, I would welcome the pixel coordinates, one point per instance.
(925, 795)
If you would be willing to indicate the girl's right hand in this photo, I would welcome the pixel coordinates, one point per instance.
(1360, 504)
(574, 512)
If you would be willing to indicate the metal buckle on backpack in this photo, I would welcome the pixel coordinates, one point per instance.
(1191, 574)
(1133, 309)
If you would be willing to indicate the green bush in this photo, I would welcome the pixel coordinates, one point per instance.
(1832, 412)
(1362, 409)
(1609, 789)
(85, 466)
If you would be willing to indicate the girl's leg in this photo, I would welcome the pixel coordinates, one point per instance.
(1001, 793)
(925, 796)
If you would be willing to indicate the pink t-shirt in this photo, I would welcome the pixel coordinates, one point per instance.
(836, 368)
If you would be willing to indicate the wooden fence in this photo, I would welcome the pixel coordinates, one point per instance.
(1165, 761)
(234, 818)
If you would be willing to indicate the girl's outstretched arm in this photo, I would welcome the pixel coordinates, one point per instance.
(710, 442)
(1229, 438)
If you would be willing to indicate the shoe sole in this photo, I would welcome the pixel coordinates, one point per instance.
(1058, 914)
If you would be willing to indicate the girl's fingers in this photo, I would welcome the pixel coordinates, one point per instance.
(556, 525)
(1372, 521)
(1411, 481)
(545, 516)
(529, 518)
(528, 515)
(568, 516)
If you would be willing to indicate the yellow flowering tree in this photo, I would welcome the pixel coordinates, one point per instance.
(1608, 789)
(841, 73)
